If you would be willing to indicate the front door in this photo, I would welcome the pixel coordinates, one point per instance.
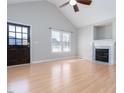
(18, 44)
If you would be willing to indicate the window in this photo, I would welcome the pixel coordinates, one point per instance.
(61, 41)
(66, 42)
(17, 34)
(56, 41)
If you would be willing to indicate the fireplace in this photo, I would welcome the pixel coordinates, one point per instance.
(102, 55)
(104, 51)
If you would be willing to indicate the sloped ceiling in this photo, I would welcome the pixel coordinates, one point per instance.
(99, 10)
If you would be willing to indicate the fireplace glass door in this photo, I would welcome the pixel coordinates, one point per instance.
(102, 55)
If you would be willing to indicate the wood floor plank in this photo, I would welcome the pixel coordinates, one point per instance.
(67, 76)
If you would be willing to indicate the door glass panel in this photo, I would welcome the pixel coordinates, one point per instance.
(18, 35)
(11, 35)
(24, 36)
(25, 30)
(25, 42)
(18, 41)
(11, 41)
(18, 29)
(12, 28)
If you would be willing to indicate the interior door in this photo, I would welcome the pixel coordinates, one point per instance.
(18, 44)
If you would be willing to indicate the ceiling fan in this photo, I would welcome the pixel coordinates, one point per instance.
(74, 3)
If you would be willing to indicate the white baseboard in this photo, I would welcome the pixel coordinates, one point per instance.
(81, 58)
(41, 61)
(50, 60)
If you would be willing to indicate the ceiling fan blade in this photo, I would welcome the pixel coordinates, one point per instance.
(76, 9)
(64, 4)
(86, 2)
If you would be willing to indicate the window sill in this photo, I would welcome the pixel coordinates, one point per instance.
(60, 52)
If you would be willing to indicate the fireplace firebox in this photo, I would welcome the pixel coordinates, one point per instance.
(102, 55)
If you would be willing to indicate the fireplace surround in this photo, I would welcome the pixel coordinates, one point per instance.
(104, 51)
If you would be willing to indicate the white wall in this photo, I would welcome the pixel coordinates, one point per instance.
(40, 16)
(86, 38)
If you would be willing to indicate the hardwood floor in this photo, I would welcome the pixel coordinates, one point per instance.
(68, 76)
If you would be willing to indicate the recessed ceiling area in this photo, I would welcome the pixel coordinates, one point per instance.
(99, 10)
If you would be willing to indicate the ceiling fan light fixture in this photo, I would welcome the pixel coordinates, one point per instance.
(73, 2)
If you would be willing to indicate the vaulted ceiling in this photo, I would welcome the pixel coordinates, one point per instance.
(99, 10)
